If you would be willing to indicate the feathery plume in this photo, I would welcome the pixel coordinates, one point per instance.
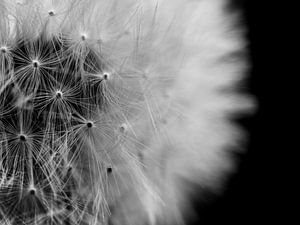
(107, 107)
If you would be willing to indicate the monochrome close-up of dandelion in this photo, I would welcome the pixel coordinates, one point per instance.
(110, 109)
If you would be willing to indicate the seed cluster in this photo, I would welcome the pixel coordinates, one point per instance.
(51, 102)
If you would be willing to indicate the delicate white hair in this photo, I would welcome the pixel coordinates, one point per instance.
(171, 71)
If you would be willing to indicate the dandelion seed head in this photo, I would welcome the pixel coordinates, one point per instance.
(71, 101)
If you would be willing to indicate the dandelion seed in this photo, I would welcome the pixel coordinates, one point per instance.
(3, 50)
(51, 13)
(89, 124)
(32, 191)
(22, 138)
(109, 170)
(35, 64)
(106, 76)
(123, 128)
(59, 94)
(83, 37)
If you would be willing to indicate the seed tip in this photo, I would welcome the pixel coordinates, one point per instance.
(109, 170)
(123, 128)
(51, 13)
(83, 37)
(35, 63)
(106, 76)
(22, 137)
(58, 94)
(89, 124)
(3, 49)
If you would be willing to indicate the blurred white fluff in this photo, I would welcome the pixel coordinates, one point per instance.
(170, 86)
